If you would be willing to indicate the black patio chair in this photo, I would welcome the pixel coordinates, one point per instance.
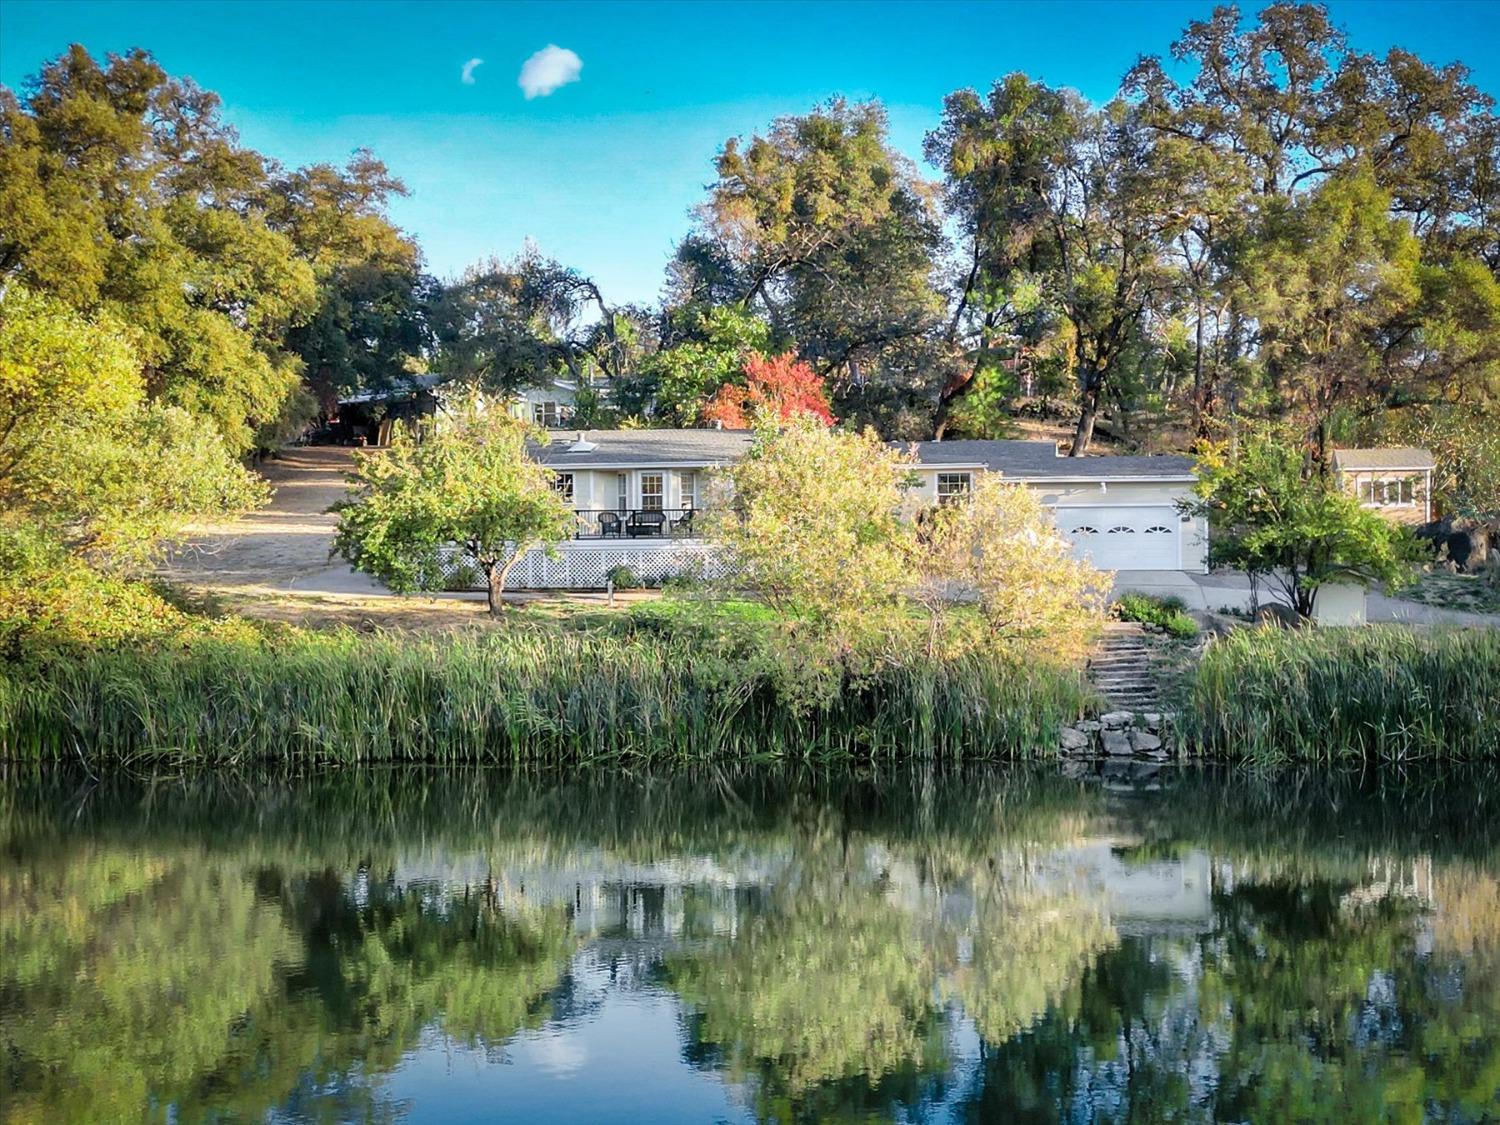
(683, 524)
(609, 524)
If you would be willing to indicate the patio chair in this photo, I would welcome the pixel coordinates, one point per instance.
(683, 524)
(609, 524)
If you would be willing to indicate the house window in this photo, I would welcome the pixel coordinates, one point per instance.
(544, 413)
(622, 492)
(688, 484)
(651, 492)
(1387, 493)
(1121, 529)
(1158, 530)
(563, 483)
(1085, 531)
(950, 486)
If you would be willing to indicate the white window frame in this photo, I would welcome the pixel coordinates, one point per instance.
(547, 414)
(687, 490)
(945, 483)
(659, 496)
(622, 492)
(562, 483)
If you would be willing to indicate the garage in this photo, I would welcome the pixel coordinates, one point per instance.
(1125, 537)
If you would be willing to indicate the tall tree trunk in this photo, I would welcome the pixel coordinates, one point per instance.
(1198, 403)
(1084, 434)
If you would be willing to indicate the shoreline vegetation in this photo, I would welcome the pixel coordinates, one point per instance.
(639, 690)
(685, 680)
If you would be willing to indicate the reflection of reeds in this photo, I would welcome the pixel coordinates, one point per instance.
(518, 696)
(1381, 693)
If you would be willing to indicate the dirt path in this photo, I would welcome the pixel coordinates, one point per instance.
(274, 563)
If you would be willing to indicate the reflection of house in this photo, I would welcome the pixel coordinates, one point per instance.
(1395, 481)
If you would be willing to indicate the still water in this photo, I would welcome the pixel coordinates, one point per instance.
(918, 946)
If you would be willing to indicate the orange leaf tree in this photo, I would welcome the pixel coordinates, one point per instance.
(780, 387)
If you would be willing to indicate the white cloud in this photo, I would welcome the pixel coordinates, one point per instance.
(548, 69)
(468, 75)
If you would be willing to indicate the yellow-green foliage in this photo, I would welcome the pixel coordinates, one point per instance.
(1001, 544)
(814, 522)
(85, 458)
(1380, 692)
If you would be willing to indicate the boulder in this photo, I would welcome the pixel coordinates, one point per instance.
(1277, 614)
(1090, 726)
(1117, 744)
(1071, 739)
(1143, 741)
(1461, 544)
(1152, 720)
(1117, 720)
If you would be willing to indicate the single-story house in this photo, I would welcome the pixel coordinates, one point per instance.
(551, 405)
(637, 493)
(1395, 481)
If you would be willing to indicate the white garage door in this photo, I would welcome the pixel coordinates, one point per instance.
(1124, 538)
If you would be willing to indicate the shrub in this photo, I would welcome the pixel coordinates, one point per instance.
(1380, 692)
(1167, 613)
(623, 578)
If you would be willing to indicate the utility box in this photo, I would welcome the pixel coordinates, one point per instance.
(1339, 603)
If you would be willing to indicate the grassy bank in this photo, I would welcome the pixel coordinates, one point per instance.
(1380, 694)
(549, 693)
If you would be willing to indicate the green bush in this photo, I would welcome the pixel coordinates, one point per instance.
(1169, 613)
(1385, 693)
(623, 578)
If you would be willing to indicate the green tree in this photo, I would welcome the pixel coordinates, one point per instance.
(85, 458)
(463, 489)
(369, 325)
(829, 233)
(1274, 515)
(122, 191)
(815, 521)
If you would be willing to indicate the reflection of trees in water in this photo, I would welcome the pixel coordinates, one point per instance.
(829, 999)
(191, 981)
(218, 957)
(1304, 1003)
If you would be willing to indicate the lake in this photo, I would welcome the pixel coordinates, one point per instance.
(997, 944)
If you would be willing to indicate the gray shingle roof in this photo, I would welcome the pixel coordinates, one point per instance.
(1039, 460)
(1393, 457)
(645, 448)
(1020, 460)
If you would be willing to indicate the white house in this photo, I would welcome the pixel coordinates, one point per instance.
(637, 494)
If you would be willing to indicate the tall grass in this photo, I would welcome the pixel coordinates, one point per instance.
(1379, 694)
(514, 696)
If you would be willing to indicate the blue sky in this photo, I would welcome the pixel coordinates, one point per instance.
(602, 172)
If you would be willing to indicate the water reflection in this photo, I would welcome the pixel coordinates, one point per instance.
(984, 946)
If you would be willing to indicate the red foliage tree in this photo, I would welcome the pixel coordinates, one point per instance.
(781, 386)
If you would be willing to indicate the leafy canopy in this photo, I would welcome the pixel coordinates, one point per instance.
(465, 485)
(86, 460)
(1272, 514)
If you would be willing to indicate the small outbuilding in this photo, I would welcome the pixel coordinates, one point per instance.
(1395, 481)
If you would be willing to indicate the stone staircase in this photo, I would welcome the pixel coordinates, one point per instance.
(1127, 668)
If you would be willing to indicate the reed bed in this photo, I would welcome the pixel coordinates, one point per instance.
(1381, 693)
(515, 696)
